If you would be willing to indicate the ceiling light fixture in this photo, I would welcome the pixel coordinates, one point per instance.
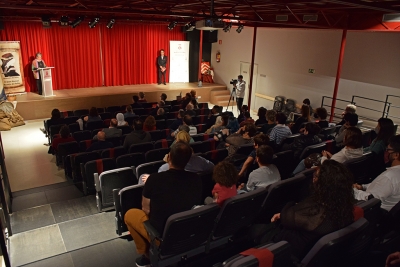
(64, 21)
(227, 27)
(46, 22)
(110, 24)
(76, 22)
(190, 26)
(93, 23)
(240, 28)
(172, 25)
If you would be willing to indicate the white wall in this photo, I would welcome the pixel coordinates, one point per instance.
(371, 64)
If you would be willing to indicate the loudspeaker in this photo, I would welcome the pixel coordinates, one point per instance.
(210, 36)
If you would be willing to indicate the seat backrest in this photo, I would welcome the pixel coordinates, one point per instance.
(238, 212)
(130, 198)
(197, 147)
(161, 124)
(96, 166)
(129, 160)
(113, 179)
(217, 155)
(350, 243)
(126, 129)
(284, 161)
(201, 128)
(330, 146)
(85, 144)
(165, 134)
(116, 141)
(245, 149)
(188, 230)
(156, 154)
(114, 152)
(288, 139)
(141, 148)
(207, 183)
(74, 127)
(203, 105)
(372, 210)
(318, 148)
(92, 125)
(81, 112)
(209, 145)
(150, 167)
(279, 194)
(163, 143)
(366, 138)
(327, 131)
(113, 109)
(64, 149)
(361, 168)
(70, 120)
(155, 135)
(82, 135)
(78, 162)
(55, 129)
(106, 115)
(280, 251)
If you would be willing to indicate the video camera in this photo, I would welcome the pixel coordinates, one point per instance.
(234, 81)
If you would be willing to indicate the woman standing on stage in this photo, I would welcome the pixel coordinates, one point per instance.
(38, 63)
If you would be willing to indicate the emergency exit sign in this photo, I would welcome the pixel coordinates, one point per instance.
(311, 70)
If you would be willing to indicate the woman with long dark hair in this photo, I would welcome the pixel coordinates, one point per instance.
(305, 117)
(384, 131)
(328, 209)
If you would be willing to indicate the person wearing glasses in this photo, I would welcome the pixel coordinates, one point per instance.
(386, 186)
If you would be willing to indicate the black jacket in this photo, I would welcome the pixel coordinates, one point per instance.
(303, 141)
(136, 137)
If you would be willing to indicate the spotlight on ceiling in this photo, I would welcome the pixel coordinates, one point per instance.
(110, 24)
(190, 26)
(227, 27)
(46, 22)
(93, 23)
(64, 21)
(172, 25)
(240, 28)
(76, 22)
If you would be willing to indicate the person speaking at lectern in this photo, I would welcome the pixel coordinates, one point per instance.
(37, 63)
(162, 66)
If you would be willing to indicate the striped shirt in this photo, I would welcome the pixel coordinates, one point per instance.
(279, 132)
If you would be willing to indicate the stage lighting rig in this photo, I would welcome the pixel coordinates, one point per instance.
(46, 22)
(227, 27)
(76, 22)
(64, 21)
(190, 26)
(93, 23)
(110, 24)
(172, 25)
(240, 28)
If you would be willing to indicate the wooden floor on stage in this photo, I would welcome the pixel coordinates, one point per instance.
(33, 106)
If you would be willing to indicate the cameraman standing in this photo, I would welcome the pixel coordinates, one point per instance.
(240, 88)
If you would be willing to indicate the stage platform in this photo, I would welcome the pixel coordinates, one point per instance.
(33, 106)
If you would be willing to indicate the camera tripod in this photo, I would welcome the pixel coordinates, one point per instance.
(232, 97)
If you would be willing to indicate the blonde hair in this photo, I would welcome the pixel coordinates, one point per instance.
(182, 136)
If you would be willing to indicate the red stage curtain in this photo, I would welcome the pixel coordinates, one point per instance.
(75, 53)
(130, 52)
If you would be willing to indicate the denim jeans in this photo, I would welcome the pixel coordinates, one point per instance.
(300, 167)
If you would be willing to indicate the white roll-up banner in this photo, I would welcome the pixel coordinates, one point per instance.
(179, 61)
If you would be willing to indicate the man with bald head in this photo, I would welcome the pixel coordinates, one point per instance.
(111, 131)
(101, 143)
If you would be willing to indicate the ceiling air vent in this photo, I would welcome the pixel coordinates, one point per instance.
(282, 18)
(391, 17)
(310, 18)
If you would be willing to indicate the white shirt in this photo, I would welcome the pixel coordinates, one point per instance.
(240, 88)
(385, 187)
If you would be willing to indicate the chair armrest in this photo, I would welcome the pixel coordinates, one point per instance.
(153, 233)
(97, 182)
(117, 202)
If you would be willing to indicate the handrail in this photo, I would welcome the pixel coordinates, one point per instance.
(352, 99)
(337, 99)
(388, 105)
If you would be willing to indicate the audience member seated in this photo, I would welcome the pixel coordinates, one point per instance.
(186, 100)
(349, 109)
(160, 104)
(328, 209)
(259, 140)
(190, 110)
(194, 103)
(137, 136)
(352, 150)
(111, 131)
(212, 117)
(101, 143)
(306, 102)
(219, 125)
(121, 119)
(271, 122)
(160, 115)
(351, 120)
(136, 103)
(54, 120)
(266, 174)
(233, 125)
(149, 124)
(308, 138)
(322, 114)
(65, 137)
(225, 177)
(242, 137)
(193, 94)
(262, 112)
(128, 112)
(93, 115)
(142, 99)
(164, 194)
(384, 131)
(305, 117)
(281, 130)
(386, 186)
(163, 97)
(183, 135)
(187, 120)
(241, 116)
(179, 120)
(247, 119)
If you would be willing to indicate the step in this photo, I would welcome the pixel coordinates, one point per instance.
(225, 103)
(219, 92)
(221, 97)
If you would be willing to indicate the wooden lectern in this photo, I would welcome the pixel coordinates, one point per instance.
(47, 81)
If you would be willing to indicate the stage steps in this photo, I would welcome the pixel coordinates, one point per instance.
(221, 98)
(58, 226)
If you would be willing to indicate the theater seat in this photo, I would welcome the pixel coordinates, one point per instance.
(110, 180)
(184, 236)
(217, 155)
(150, 167)
(92, 125)
(361, 168)
(78, 162)
(284, 161)
(269, 255)
(141, 148)
(82, 135)
(95, 168)
(65, 149)
(130, 160)
(318, 148)
(113, 153)
(163, 143)
(156, 154)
